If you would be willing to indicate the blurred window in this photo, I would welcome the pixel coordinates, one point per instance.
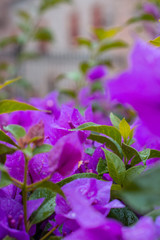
(73, 27)
(98, 19)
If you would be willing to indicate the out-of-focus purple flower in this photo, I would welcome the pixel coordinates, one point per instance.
(140, 85)
(152, 9)
(93, 192)
(49, 103)
(92, 224)
(97, 73)
(144, 229)
(65, 155)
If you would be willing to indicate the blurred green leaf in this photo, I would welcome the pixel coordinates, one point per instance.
(103, 129)
(68, 92)
(84, 42)
(84, 67)
(9, 82)
(112, 45)
(132, 173)
(43, 34)
(47, 4)
(16, 130)
(8, 41)
(142, 194)
(102, 33)
(24, 15)
(156, 42)
(8, 106)
(116, 167)
(144, 17)
(154, 214)
(42, 149)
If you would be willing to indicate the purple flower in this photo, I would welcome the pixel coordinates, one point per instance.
(92, 224)
(66, 154)
(97, 73)
(11, 219)
(144, 229)
(140, 85)
(93, 193)
(152, 9)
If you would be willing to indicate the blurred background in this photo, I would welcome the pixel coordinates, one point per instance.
(52, 43)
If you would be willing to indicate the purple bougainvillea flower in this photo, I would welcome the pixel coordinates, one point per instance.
(140, 85)
(49, 103)
(157, 223)
(65, 155)
(92, 224)
(11, 219)
(97, 73)
(144, 229)
(69, 118)
(94, 193)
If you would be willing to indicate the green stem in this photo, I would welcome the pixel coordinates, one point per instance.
(49, 233)
(34, 185)
(17, 183)
(24, 192)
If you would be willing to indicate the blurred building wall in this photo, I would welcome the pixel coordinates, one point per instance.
(67, 21)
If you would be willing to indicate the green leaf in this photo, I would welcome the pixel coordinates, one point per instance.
(16, 130)
(116, 167)
(115, 120)
(8, 106)
(156, 42)
(131, 153)
(112, 45)
(42, 149)
(132, 173)
(144, 17)
(6, 150)
(50, 186)
(84, 67)
(48, 206)
(145, 155)
(5, 138)
(8, 41)
(43, 34)
(124, 129)
(77, 176)
(102, 167)
(84, 42)
(5, 179)
(123, 215)
(109, 143)
(24, 15)
(69, 92)
(154, 154)
(89, 151)
(8, 238)
(154, 214)
(47, 4)
(102, 34)
(103, 129)
(142, 194)
(9, 82)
